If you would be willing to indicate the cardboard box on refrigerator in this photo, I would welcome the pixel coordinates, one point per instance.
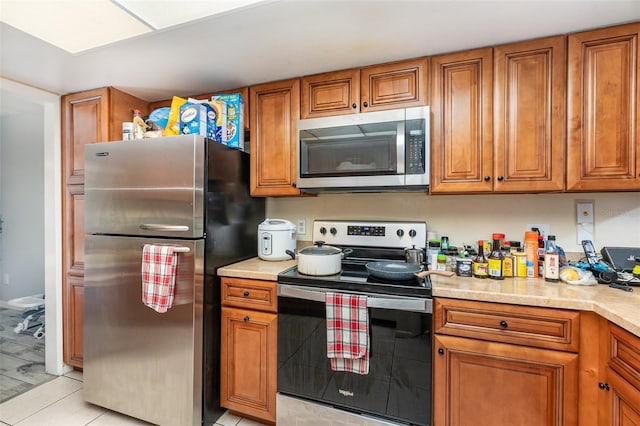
(235, 119)
(197, 119)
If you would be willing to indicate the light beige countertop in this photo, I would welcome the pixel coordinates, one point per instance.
(619, 307)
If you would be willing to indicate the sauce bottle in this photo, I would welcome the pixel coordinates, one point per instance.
(496, 259)
(551, 260)
(531, 251)
(480, 264)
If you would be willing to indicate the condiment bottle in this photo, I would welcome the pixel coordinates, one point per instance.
(496, 259)
(531, 251)
(480, 264)
(507, 264)
(551, 260)
(541, 251)
(139, 127)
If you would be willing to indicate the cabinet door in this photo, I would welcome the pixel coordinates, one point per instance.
(625, 401)
(486, 384)
(275, 109)
(395, 85)
(248, 362)
(529, 115)
(334, 93)
(73, 321)
(461, 102)
(604, 91)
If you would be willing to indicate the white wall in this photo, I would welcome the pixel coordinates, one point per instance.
(468, 218)
(21, 196)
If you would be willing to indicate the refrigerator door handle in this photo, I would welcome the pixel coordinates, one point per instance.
(162, 227)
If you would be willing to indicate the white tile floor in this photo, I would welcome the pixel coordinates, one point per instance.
(59, 402)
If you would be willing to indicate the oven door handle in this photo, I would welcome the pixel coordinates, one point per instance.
(397, 303)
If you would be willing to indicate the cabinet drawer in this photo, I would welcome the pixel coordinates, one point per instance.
(625, 354)
(529, 326)
(250, 294)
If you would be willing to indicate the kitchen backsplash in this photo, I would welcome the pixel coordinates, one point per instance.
(467, 218)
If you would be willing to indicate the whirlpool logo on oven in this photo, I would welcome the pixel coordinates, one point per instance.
(345, 392)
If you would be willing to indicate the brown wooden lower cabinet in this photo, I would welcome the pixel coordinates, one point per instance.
(625, 401)
(486, 383)
(248, 348)
(73, 312)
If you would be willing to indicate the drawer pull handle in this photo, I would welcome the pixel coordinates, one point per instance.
(440, 351)
(504, 324)
(246, 294)
(246, 319)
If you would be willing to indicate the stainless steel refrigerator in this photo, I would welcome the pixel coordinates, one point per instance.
(183, 191)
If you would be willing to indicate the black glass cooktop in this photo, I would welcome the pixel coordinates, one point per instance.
(354, 277)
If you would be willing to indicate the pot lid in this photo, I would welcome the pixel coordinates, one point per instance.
(276, 225)
(320, 249)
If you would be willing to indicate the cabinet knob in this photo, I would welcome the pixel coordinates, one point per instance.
(246, 319)
(500, 178)
(246, 294)
(603, 386)
(294, 184)
(440, 351)
(354, 105)
(365, 104)
(487, 178)
(504, 324)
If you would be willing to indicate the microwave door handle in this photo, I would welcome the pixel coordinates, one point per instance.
(398, 303)
(400, 154)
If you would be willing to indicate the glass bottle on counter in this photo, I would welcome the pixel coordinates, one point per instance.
(480, 264)
(496, 259)
(551, 260)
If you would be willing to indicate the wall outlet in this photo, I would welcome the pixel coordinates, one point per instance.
(544, 228)
(302, 227)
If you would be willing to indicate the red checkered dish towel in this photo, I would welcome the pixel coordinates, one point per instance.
(158, 276)
(348, 332)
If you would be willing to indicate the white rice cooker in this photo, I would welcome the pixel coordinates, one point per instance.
(275, 237)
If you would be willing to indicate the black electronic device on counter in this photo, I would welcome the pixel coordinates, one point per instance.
(622, 259)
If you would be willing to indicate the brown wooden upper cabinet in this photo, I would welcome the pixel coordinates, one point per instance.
(529, 120)
(603, 113)
(461, 105)
(388, 86)
(499, 118)
(91, 116)
(275, 110)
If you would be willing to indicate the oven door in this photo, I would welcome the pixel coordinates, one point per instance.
(398, 386)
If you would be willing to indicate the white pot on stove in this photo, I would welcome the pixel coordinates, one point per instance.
(275, 238)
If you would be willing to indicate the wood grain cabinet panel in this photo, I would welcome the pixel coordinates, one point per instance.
(248, 370)
(73, 321)
(461, 104)
(87, 117)
(603, 151)
(485, 383)
(330, 94)
(380, 87)
(275, 110)
(529, 115)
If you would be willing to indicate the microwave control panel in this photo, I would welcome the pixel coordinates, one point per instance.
(415, 146)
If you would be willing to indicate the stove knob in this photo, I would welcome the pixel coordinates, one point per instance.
(400, 233)
(412, 233)
(323, 230)
(333, 231)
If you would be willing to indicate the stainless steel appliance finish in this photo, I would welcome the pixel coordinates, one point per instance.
(398, 386)
(371, 151)
(183, 191)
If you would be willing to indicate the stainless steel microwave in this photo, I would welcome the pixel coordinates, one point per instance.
(366, 152)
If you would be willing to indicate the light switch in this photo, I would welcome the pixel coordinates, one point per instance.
(584, 212)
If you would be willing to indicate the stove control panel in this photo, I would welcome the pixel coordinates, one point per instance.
(371, 233)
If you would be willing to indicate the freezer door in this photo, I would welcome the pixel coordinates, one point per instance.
(137, 361)
(151, 187)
